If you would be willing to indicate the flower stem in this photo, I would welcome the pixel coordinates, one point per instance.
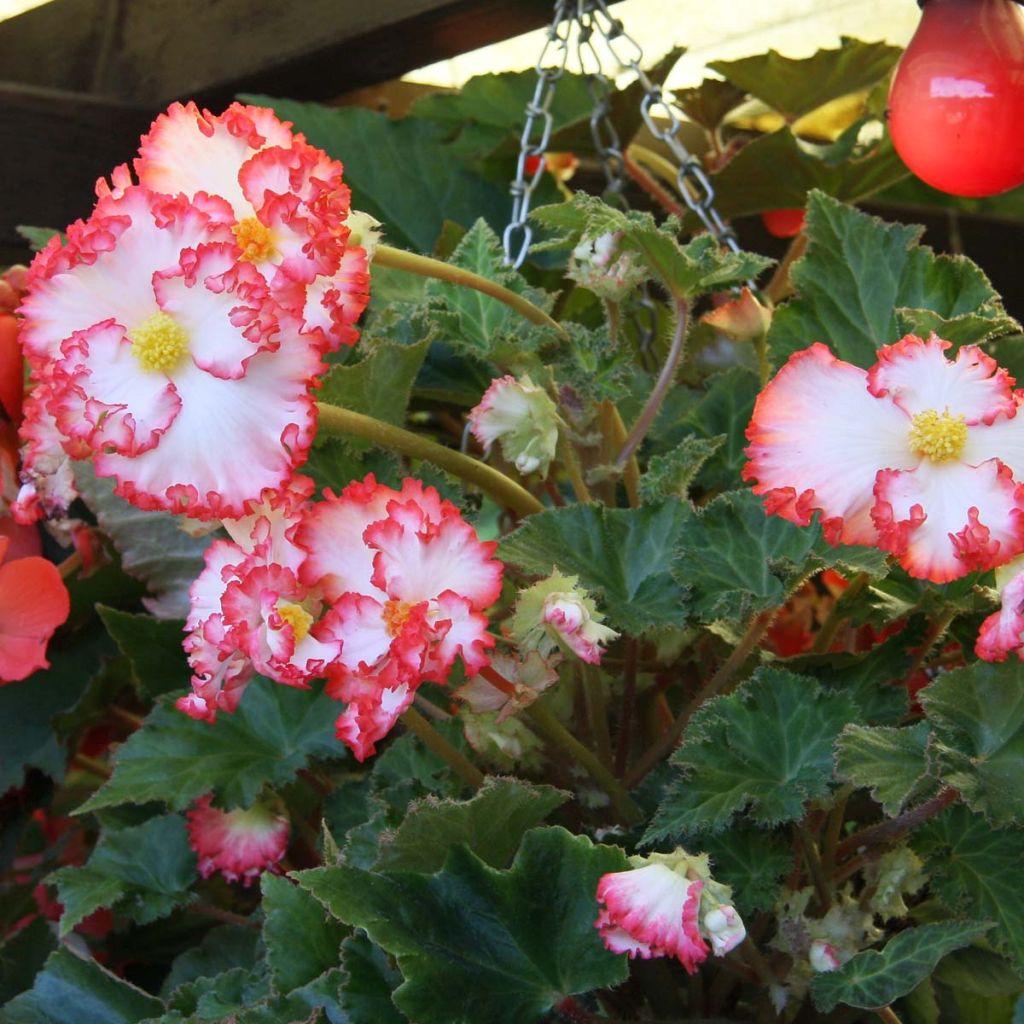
(615, 430)
(437, 744)
(814, 868)
(667, 741)
(939, 626)
(622, 742)
(557, 733)
(336, 420)
(571, 465)
(596, 701)
(888, 1015)
(399, 259)
(645, 420)
(70, 565)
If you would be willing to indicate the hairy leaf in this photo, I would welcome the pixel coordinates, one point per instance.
(767, 747)
(892, 763)
(479, 945)
(366, 997)
(752, 861)
(670, 475)
(153, 646)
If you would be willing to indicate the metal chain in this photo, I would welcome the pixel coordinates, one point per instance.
(692, 181)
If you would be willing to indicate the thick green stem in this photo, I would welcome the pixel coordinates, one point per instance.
(399, 259)
(939, 626)
(506, 492)
(557, 733)
(434, 741)
(814, 867)
(596, 700)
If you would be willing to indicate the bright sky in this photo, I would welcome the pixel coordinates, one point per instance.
(722, 29)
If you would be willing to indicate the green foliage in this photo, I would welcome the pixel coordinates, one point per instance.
(797, 86)
(401, 171)
(975, 871)
(490, 825)
(767, 748)
(873, 979)
(475, 324)
(892, 763)
(22, 956)
(737, 561)
(752, 861)
(670, 475)
(978, 716)
(144, 872)
(153, 646)
(152, 546)
(621, 556)
(70, 990)
(275, 732)
(302, 940)
(222, 949)
(366, 997)
(479, 945)
(856, 276)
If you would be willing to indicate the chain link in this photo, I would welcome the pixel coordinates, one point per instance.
(588, 17)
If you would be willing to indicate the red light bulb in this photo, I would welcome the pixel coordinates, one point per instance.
(956, 108)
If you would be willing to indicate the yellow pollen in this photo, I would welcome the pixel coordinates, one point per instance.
(395, 614)
(297, 617)
(254, 239)
(159, 344)
(938, 436)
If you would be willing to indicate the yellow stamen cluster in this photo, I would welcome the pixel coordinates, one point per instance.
(254, 239)
(159, 344)
(395, 614)
(297, 617)
(938, 436)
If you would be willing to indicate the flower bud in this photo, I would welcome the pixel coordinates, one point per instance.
(522, 418)
(599, 265)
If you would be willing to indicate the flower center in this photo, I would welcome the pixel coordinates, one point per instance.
(159, 344)
(297, 617)
(395, 615)
(254, 239)
(938, 436)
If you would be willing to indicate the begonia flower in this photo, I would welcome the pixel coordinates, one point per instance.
(668, 905)
(522, 418)
(526, 680)
(600, 266)
(161, 354)
(407, 581)
(1002, 633)
(288, 211)
(558, 613)
(241, 844)
(33, 603)
(919, 455)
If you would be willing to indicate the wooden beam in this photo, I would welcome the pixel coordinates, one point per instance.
(149, 52)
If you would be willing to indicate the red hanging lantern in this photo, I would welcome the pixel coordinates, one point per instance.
(956, 108)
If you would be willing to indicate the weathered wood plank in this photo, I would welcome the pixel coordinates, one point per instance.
(148, 52)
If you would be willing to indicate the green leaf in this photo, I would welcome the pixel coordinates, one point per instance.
(767, 747)
(622, 556)
(750, 860)
(670, 475)
(366, 997)
(275, 732)
(144, 871)
(70, 990)
(979, 972)
(975, 870)
(873, 979)
(400, 171)
(708, 103)
(475, 324)
(152, 546)
(153, 646)
(965, 329)
(892, 763)
(302, 941)
(797, 86)
(479, 945)
(737, 560)
(22, 956)
(491, 825)
(37, 238)
(222, 949)
(378, 385)
(857, 272)
(978, 716)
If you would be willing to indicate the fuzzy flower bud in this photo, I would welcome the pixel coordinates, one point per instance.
(599, 265)
(522, 418)
(668, 905)
(742, 318)
(557, 612)
(823, 956)
(241, 844)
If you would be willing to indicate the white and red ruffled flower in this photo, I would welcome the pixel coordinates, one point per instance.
(407, 581)
(241, 844)
(920, 455)
(161, 354)
(1002, 633)
(668, 905)
(249, 612)
(520, 416)
(288, 209)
